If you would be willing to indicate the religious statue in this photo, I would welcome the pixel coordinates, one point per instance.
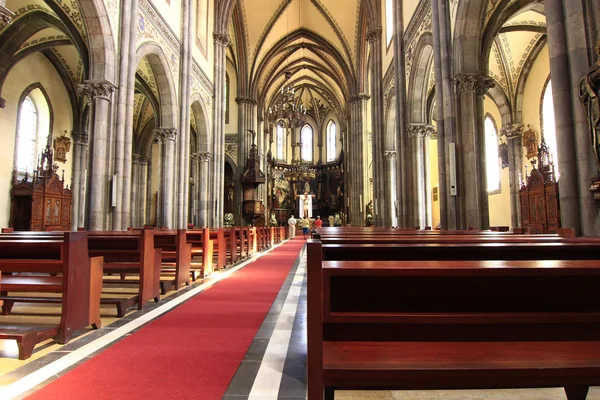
(306, 187)
(306, 201)
(589, 91)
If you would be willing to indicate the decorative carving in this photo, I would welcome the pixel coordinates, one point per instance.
(204, 156)
(144, 160)
(420, 130)
(80, 138)
(530, 142)
(2, 103)
(163, 134)
(374, 35)
(135, 158)
(512, 131)
(158, 135)
(96, 89)
(62, 145)
(359, 97)
(246, 100)
(589, 91)
(6, 15)
(221, 39)
(390, 154)
(231, 150)
(474, 82)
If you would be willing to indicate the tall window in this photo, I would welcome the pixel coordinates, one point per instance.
(491, 155)
(280, 134)
(331, 141)
(389, 20)
(307, 143)
(26, 137)
(548, 126)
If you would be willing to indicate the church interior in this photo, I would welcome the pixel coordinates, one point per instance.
(236, 115)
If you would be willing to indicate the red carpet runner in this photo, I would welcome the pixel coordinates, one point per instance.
(193, 351)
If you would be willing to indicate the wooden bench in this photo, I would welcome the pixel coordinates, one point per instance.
(176, 257)
(125, 253)
(217, 235)
(404, 325)
(202, 252)
(36, 268)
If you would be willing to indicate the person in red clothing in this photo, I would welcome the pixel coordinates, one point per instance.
(318, 222)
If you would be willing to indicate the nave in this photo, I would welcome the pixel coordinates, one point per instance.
(273, 367)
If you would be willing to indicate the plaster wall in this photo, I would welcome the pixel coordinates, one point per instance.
(32, 69)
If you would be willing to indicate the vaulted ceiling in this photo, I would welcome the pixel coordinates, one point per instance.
(322, 42)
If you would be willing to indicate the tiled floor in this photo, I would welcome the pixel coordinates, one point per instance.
(274, 367)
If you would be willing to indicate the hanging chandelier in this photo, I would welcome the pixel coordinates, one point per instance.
(299, 171)
(287, 111)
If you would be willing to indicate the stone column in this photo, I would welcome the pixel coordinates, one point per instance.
(246, 122)
(358, 180)
(124, 113)
(169, 178)
(185, 84)
(402, 161)
(470, 150)
(564, 119)
(392, 198)
(379, 192)
(203, 174)
(143, 184)
(418, 134)
(221, 42)
(99, 93)
(76, 179)
(514, 137)
(135, 194)
(149, 194)
(444, 97)
(581, 57)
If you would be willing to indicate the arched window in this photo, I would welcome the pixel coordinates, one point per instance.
(307, 143)
(280, 134)
(26, 137)
(331, 141)
(491, 155)
(389, 20)
(548, 126)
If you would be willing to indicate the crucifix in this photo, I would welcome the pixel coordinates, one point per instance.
(305, 203)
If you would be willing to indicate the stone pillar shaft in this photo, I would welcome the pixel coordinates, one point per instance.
(514, 136)
(391, 197)
(221, 43)
(379, 192)
(203, 175)
(418, 136)
(143, 191)
(135, 194)
(561, 93)
(99, 93)
(471, 174)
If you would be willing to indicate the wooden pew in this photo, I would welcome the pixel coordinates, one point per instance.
(202, 250)
(176, 256)
(217, 235)
(49, 265)
(404, 325)
(130, 252)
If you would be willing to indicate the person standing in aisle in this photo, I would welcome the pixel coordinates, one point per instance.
(292, 227)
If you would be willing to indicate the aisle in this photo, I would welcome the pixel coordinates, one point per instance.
(191, 352)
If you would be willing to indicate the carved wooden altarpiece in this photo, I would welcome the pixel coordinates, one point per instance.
(41, 202)
(540, 211)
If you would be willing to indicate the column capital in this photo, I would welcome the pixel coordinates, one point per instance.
(390, 154)
(79, 138)
(421, 130)
(144, 160)
(6, 15)
(2, 103)
(205, 156)
(165, 134)
(96, 89)
(135, 158)
(359, 97)
(246, 100)
(474, 82)
(512, 131)
(373, 35)
(221, 39)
